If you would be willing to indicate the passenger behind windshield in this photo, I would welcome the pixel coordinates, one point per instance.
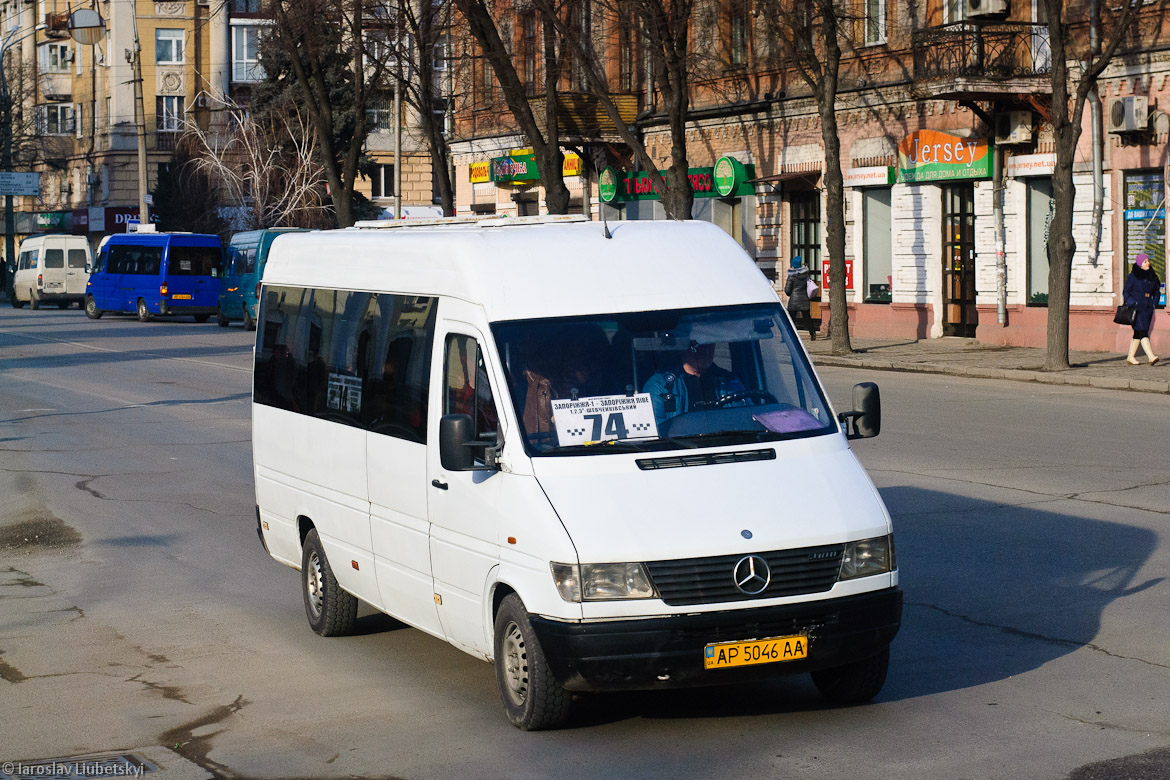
(695, 383)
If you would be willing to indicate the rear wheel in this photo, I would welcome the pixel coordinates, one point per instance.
(91, 309)
(854, 683)
(202, 317)
(35, 302)
(533, 698)
(249, 323)
(144, 314)
(331, 611)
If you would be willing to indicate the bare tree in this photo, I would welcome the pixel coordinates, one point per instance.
(480, 16)
(321, 46)
(810, 34)
(1077, 64)
(266, 166)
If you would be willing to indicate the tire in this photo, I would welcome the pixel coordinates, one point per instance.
(16, 302)
(533, 698)
(91, 309)
(249, 323)
(854, 683)
(221, 320)
(202, 317)
(34, 301)
(144, 314)
(331, 611)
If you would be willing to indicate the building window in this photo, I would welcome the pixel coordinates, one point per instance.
(627, 57)
(1040, 209)
(168, 47)
(382, 181)
(738, 28)
(488, 83)
(169, 113)
(378, 115)
(55, 58)
(877, 241)
(246, 54)
(109, 112)
(1145, 223)
(528, 47)
(55, 119)
(245, 6)
(954, 11)
(875, 22)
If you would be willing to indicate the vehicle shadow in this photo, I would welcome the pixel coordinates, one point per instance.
(991, 591)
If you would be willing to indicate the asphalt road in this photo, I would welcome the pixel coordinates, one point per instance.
(138, 612)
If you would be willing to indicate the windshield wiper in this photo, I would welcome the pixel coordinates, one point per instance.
(601, 447)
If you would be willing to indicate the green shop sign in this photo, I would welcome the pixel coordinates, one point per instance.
(50, 220)
(928, 156)
(728, 178)
(515, 168)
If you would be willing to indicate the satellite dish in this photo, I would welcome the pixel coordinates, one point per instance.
(86, 27)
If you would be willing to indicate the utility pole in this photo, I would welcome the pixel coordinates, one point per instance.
(140, 120)
(6, 150)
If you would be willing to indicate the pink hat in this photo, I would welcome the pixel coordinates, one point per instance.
(1141, 256)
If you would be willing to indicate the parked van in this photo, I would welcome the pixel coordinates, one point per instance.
(239, 285)
(599, 458)
(50, 270)
(156, 273)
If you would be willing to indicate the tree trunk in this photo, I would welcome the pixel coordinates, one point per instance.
(835, 222)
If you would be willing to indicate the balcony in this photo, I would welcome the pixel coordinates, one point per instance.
(582, 115)
(977, 60)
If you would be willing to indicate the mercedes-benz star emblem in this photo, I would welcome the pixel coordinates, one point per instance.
(751, 575)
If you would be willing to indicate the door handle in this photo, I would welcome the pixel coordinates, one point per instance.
(439, 484)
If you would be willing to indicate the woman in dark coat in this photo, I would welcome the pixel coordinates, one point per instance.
(1141, 291)
(796, 288)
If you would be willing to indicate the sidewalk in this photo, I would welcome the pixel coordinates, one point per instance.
(967, 357)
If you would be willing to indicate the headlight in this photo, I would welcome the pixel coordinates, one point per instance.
(602, 581)
(868, 557)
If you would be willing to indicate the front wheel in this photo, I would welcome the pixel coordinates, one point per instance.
(331, 611)
(144, 314)
(249, 323)
(533, 698)
(91, 309)
(221, 320)
(854, 683)
(16, 302)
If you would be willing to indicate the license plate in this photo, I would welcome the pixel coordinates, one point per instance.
(181, 297)
(759, 651)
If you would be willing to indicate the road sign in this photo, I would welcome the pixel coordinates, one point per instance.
(15, 183)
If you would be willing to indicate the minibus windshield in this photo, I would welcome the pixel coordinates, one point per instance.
(643, 381)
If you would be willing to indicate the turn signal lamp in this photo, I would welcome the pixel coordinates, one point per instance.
(162, 289)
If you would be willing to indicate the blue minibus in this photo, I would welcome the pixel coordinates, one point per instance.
(156, 273)
(239, 285)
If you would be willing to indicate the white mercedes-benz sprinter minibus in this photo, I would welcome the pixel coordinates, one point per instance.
(597, 457)
(51, 269)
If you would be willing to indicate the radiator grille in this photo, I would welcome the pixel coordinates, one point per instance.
(707, 459)
(711, 580)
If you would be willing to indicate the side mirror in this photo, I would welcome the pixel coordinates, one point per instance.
(455, 433)
(457, 445)
(866, 416)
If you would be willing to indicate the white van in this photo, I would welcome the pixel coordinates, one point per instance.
(598, 457)
(52, 270)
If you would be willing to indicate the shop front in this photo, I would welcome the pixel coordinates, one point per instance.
(511, 184)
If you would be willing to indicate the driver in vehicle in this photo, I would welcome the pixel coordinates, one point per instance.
(696, 384)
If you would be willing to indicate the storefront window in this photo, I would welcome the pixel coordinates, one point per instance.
(1145, 222)
(1040, 205)
(878, 245)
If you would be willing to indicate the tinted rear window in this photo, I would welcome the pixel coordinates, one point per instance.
(54, 258)
(77, 258)
(194, 261)
(126, 259)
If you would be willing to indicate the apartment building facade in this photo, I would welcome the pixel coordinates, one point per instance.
(932, 98)
(76, 104)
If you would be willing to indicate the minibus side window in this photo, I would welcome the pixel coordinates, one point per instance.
(395, 399)
(468, 390)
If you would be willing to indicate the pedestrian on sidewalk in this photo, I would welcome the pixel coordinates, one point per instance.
(797, 290)
(1141, 291)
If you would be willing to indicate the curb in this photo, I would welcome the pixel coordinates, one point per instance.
(1014, 374)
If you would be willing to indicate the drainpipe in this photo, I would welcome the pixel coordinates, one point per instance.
(997, 188)
(1098, 141)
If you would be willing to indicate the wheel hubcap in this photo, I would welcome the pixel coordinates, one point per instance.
(515, 664)
(313, 585)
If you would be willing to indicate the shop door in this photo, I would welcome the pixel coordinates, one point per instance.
(959, 314)
(805, 210)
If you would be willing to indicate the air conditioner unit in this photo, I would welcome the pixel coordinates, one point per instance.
(1013, 127)
(1128, 114)
(985, 8)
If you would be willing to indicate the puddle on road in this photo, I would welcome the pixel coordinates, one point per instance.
(37, 529)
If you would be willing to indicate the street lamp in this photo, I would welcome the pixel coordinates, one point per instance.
(12, 36)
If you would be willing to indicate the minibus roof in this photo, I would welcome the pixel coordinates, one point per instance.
(158, 239)
(526, 269)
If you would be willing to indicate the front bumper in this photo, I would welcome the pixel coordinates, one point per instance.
(667, 652)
